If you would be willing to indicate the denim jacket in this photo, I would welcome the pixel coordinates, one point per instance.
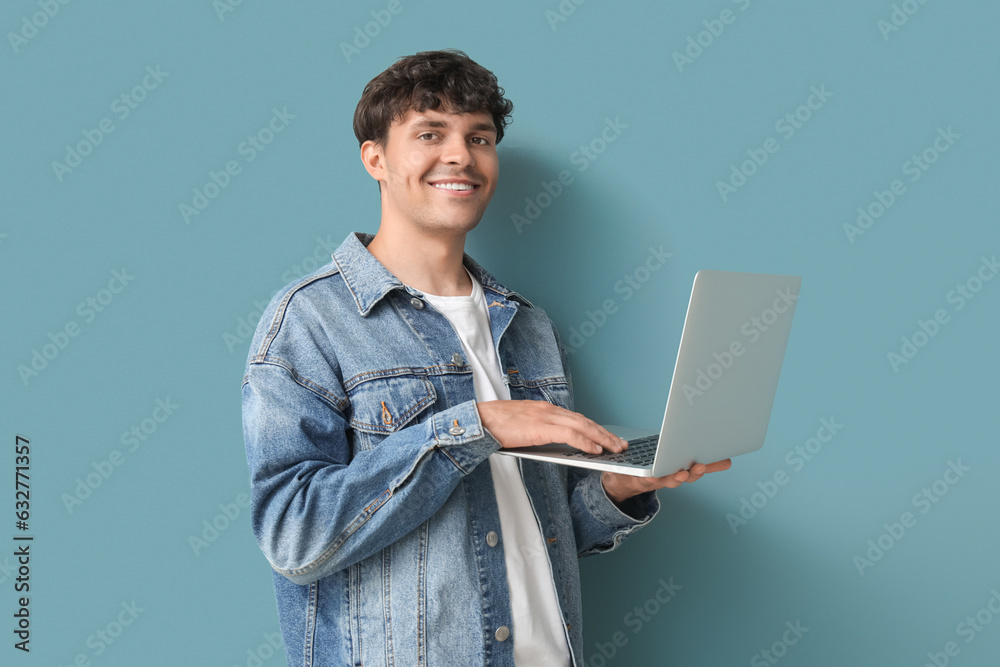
(368, 498)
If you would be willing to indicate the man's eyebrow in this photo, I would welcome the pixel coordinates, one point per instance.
(484, 127)
(478, 127)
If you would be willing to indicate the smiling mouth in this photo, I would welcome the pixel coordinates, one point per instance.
(454, 186)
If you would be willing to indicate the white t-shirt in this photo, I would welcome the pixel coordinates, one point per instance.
(539, 637)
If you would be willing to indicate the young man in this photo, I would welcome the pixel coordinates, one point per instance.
(377, 394)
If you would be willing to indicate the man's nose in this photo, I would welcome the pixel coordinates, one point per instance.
(456, 151)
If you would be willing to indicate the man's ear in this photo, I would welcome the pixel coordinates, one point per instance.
(372, 158)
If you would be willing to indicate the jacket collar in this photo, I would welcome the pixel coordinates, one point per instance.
(369, 281)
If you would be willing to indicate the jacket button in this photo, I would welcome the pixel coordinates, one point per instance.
(502, 633)
(456, 430)
(416, 303)
(456, 359)
(492, 538)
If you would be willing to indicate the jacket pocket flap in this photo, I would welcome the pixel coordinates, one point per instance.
(385, 405)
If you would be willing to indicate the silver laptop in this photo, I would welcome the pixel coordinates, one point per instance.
(724, 382)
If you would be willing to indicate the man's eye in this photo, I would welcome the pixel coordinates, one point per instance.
(425, 134)
(482, 140)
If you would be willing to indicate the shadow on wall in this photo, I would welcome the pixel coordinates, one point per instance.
(571, 243)
(687, 572)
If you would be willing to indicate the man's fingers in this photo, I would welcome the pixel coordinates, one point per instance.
(589, 441)
(586, 432)
(575, 438)
(699, 470)
(724, 464)
(675, 480)
(526, 423)
(696, 472)
(598, 434)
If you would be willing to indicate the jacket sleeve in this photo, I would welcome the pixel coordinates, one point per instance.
(598, 523)
(314, 509)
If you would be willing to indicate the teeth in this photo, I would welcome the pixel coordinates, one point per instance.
(453, 186)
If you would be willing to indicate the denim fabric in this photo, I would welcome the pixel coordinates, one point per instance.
(368, 498)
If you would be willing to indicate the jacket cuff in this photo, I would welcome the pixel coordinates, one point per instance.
(635, 512)
(459, 434)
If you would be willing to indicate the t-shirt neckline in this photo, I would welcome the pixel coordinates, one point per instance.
(476, 295)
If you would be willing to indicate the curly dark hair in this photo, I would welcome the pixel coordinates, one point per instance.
(428, 80)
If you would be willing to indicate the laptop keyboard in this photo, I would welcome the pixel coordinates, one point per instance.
(640, 452)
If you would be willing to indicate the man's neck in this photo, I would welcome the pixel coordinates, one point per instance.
(431, 264)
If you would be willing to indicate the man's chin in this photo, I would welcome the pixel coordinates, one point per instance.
(444, 226)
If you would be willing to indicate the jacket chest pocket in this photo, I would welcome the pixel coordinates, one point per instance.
(553, 390)
(384, 405)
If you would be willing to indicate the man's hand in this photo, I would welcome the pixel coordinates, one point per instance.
(622, 487)
(528, 423)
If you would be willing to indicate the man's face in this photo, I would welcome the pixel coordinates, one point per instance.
(437, 170)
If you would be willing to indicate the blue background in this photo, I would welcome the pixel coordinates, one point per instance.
(178, 329)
